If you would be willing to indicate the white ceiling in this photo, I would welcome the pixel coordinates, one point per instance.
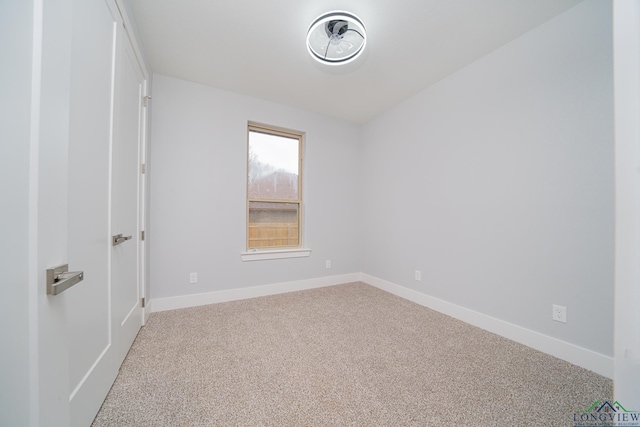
(258, 47)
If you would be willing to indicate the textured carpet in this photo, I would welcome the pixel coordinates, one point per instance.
(342, 355)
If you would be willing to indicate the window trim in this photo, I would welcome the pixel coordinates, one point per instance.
(258, 255)
(274, 252)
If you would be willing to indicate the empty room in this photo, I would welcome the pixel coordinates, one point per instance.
(321, 213)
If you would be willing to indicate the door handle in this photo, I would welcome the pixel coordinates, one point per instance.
(59, 279)
(117, 239)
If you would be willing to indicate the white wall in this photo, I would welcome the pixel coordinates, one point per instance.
(198, 191)
(16, 32)
(497, 183)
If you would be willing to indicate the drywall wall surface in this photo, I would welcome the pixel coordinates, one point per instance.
(16, 48)
(198, 191)
(497, 183)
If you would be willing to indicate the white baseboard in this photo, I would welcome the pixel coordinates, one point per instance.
(194, 300)
(571, 353)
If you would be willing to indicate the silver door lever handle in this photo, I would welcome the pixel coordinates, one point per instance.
(117, 239)
(60, 279)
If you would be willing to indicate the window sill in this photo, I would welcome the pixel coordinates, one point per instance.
(257, 255)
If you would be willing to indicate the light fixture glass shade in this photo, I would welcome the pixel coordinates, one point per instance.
(336, 38)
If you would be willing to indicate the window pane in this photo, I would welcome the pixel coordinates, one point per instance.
(273, 166)
(273, 224)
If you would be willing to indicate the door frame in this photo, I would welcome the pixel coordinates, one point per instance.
(626, 66)
(143, 220)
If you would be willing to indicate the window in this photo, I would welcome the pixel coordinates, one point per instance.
(274, 190)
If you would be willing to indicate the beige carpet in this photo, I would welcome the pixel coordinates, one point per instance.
(343, 355)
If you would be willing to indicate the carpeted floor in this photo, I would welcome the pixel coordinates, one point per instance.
(343, 355)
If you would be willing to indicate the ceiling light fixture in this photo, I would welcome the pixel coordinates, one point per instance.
(336, 38)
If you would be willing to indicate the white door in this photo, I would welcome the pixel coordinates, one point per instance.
(87, 175)
(92, 350)
(126, 197)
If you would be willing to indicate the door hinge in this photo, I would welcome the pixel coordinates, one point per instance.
(145, 100)
(143, 168)
(142, 235)
(142, 302)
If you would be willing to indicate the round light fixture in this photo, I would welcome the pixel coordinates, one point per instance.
(336, 38)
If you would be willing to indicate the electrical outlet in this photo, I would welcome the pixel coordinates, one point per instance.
(327, 263)
(417, 275)
(193, 278)
(559, 313)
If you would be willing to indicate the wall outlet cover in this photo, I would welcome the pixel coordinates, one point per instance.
(559, 313)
